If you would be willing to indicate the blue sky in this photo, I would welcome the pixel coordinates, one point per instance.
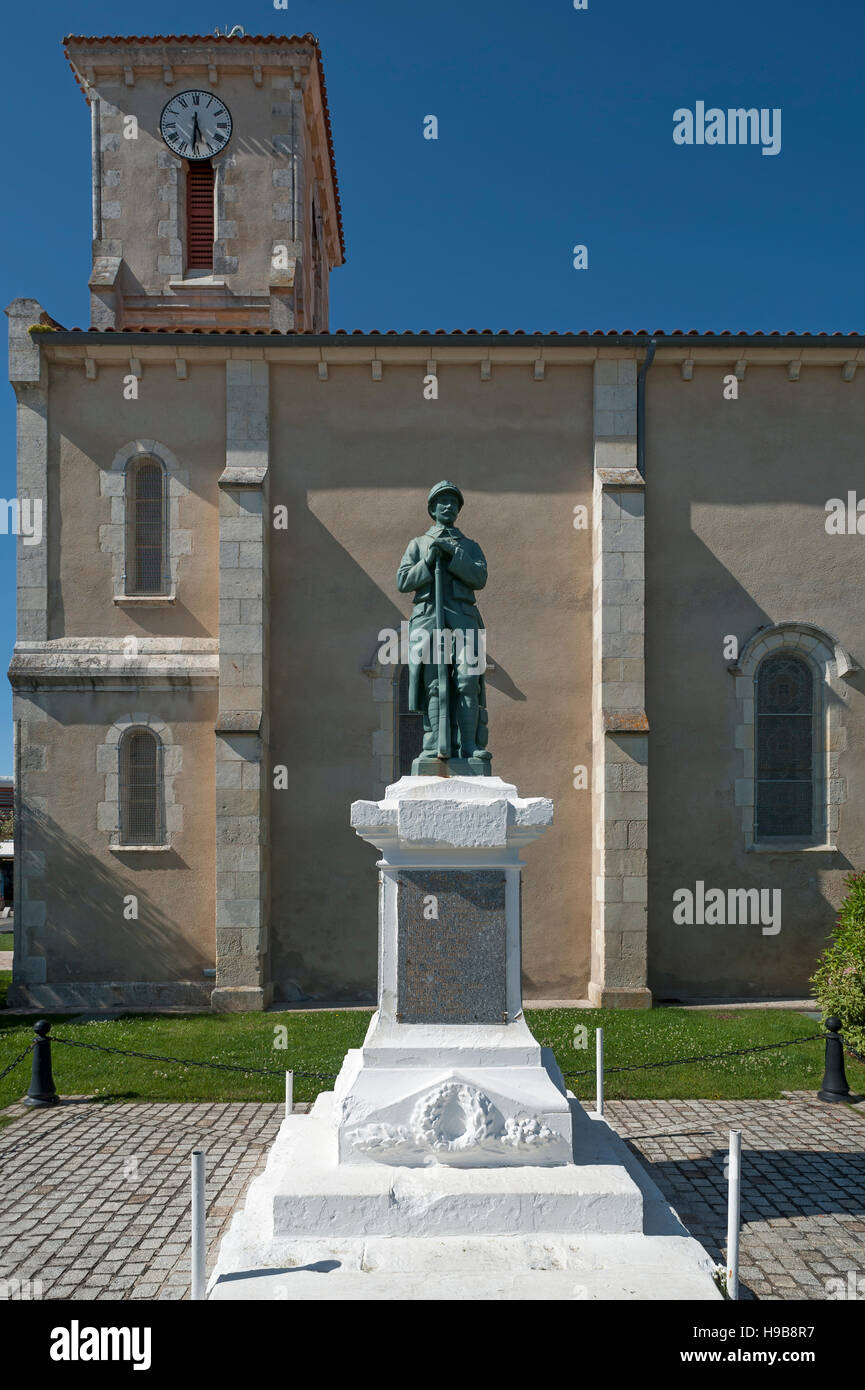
(555, 128)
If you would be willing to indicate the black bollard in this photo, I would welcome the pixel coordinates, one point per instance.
(835, 1085)
(42, 1089)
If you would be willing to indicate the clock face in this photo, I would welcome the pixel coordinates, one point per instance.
(196, 125)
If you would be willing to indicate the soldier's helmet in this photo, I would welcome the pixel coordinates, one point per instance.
(439, 488)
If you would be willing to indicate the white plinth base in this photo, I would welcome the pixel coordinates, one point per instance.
(315, 1228)
(476, 1095)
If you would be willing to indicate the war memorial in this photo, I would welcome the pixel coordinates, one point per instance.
(450, 1160)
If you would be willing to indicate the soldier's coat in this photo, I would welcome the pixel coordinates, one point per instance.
(465, 573)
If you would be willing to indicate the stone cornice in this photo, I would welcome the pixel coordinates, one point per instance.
(70, 345)
(106, 664)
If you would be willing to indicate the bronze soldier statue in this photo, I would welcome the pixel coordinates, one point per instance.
(447, 650)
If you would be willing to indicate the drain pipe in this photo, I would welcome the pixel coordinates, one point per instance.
(641, 406)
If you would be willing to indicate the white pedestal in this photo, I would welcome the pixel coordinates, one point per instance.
(451, 1122)
(449, 1072)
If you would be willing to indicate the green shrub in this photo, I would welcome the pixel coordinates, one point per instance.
(839, 980)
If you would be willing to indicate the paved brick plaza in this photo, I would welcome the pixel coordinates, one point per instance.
(96, 1197)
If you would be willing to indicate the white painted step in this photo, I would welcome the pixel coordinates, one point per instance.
(480, 1268)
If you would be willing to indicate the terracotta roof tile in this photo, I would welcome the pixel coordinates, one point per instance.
(191, 38)
(458, 333)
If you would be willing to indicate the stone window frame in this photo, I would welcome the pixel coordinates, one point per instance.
(108, 763)
(829, 663)
(113, 535)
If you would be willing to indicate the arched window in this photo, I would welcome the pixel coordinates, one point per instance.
(141, 798)
(146, 527)
(409, 728)
(785, 748)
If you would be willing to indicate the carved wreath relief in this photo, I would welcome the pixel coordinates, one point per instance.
(455, 1123)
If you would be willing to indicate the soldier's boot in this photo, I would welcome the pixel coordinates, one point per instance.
(467, 719)
(431, 727)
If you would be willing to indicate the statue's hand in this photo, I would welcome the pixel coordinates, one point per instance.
(442, 548)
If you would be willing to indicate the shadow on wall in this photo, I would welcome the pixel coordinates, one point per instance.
(695, 826)
(86, 935)
(323, 878)
(326, 729)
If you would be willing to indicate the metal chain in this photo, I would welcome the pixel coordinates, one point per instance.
(187, 1062)
(331, 1075)
(707, 1057)
(19, 1058)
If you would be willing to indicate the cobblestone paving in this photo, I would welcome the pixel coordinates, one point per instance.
(803, 1185)
(95, 1198)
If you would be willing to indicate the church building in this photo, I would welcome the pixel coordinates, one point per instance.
(203, 681)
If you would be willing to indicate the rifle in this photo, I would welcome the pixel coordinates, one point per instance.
(444, 741)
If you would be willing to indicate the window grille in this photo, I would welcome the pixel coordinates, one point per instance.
(146, 527)
(784, 798)
(199, 216)
(141, 789)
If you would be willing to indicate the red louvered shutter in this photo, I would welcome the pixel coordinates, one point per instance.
(199, 216)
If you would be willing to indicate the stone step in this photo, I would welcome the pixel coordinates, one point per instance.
(304, 1191)
(479, 1268)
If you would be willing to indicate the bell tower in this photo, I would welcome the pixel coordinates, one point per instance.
(215, 199)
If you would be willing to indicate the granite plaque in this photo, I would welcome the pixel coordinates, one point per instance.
(452, 946)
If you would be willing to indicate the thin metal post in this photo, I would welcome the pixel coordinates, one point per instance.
(734, 1172)
(599, 1071)
(199, 1282)
(289, 1093)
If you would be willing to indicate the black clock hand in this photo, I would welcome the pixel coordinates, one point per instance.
(194, 130)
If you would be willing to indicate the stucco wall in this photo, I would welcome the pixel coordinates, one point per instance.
(89, 421)
(736, 539)
(85, 935)
(353, 460)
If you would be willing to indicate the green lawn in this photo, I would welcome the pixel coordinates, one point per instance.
(317, 1041)
(5, 941)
